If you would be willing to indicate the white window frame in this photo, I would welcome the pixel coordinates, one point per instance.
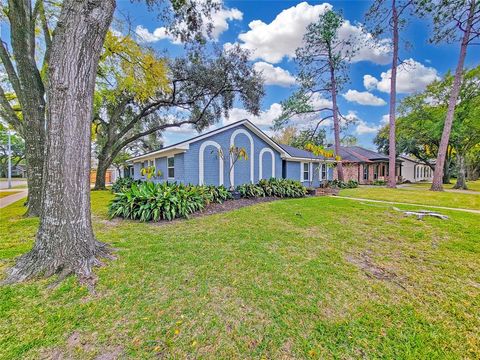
(171, 167)
(303, 171)
(323, 169)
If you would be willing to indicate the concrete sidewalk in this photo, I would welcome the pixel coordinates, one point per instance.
(7, 200)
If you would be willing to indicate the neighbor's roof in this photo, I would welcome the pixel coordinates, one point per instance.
(359, 154)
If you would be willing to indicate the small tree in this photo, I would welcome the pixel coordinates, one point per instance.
(326, 155)
(234, 155)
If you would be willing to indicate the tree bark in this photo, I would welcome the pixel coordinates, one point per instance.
(461, 183)
(442, 150)
(392, 152)
(336, 122)
(65, 242)
(102, 167)
(30, 92)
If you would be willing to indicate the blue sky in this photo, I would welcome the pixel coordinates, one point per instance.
(273, 29)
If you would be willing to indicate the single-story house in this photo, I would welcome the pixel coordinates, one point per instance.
(366, 166)
(197, 160)
(414, 170)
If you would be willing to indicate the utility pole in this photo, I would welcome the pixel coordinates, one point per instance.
(9, 160)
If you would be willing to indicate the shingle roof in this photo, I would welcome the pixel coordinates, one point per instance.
(299, 153)
(359, 154)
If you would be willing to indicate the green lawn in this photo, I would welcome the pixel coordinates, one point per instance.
(472, 185)
(308, 278)
(425, 197)
(7, 193)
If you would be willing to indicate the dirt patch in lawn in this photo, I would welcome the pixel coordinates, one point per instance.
(374, 271)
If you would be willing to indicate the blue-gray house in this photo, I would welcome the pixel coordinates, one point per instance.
(197, 161)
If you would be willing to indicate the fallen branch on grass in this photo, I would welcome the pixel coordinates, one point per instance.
(420, 214)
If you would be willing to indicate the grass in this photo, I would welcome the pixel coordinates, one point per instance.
(472, 185)
(425, 197)
(7, 193)
(309, 278)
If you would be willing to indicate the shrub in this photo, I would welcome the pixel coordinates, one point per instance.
(123, 183)
(350, 184)
(273, 187)
(150, 201)
(250, 191)
(379, 182)
(215, 194)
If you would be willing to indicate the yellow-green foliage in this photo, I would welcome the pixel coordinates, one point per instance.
(131, 68)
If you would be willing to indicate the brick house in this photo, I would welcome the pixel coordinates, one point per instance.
(366, 166)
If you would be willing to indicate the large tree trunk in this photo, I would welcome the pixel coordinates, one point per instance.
(442, 150)
(336, 122)
(35, 157)
(30, 92)
(65, 242)
(392, 152)
(461, 183)
(102, 167)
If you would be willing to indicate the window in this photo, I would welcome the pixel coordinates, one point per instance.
(324, 171)
(418, 172)
(306, 171)
(365, 172)
(375, 172)
(382, 170)
(171, 167)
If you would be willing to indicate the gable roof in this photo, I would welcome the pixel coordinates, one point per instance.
(184, 145)
(287, 152)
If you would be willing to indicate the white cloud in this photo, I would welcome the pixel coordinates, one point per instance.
(281, 37)
(366, 47)
(366, 128)
(385, 119)
(219, 21)
(273, 41)
(158, 34)
(274, 75)
(265, 118)
(412, 76)
(221, 18)
(363, 98)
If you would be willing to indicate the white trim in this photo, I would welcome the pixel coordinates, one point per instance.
(201, 162)
(260, 162)
(252, 154)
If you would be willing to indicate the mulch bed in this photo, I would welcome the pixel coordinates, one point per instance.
(215, 208)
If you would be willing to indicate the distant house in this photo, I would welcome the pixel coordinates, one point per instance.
(414, 170)
(197, 160)
(366, 166)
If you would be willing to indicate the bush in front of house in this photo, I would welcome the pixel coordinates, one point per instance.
(283, 188)
(379, 182)
(215, 194)
(123, 183)
(350, 184)
(150, 201)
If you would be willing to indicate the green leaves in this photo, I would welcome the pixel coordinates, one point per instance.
(148, 201)
(284, 188)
